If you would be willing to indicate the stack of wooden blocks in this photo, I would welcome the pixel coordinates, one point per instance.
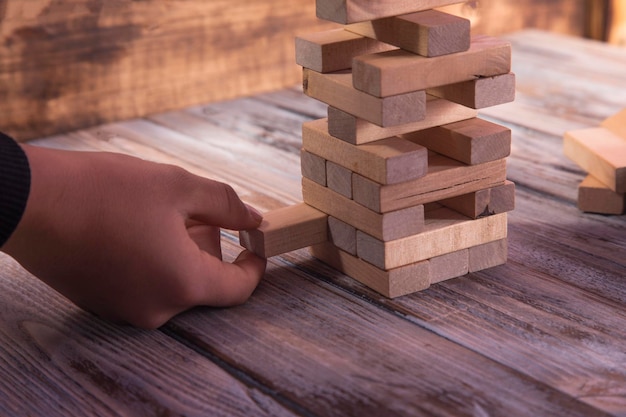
(403, 185)
(601, 151)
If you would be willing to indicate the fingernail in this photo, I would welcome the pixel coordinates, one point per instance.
(256, 215)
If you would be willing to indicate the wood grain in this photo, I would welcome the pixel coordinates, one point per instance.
(446, 178)
(339, 179)
(616, 123)
(70, 64)
(479, 93)
(450, 265)
(358, 131)
(392, 283)
(335, 89)
(333, 50)
(502, 17)
(342, 235)
(601, 153)
(58, 360)
(351, 11)
(494, 200)
(488, 255)
(399, 72)
(472, 141)
(595, 197)
(313, 167)
(342, 364)
(445, 231)
(387, 161)
(540, 335)
(285, 230)
(427, 33)
(387, 226)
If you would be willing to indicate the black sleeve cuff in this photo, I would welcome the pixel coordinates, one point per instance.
(14, 186)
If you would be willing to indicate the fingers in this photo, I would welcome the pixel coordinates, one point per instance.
(229, 284)
(218, 204)
(207, 238)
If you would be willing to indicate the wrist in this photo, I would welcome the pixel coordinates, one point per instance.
(15, 182)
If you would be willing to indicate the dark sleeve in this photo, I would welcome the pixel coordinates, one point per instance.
(14, 186)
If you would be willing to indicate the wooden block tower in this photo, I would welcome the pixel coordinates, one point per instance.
(601, 151)
(403, 185)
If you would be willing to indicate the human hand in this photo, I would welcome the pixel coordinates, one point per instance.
(131, 240)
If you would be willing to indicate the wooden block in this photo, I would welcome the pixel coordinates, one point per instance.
(335, 89)
(488, 255)
(595, 197)
(286, 229)
(495, 200)
(399, 72)
(387, 161)
(450, 265)
(473, 141)
(358, 131)
(446, 178)
(333, 50)
(339, 179)
(388, 226)
(601, 153)
(351, 11)
(446, 231)
(392, 283)
(616, 124)
(479, 93)
(342, 235)
(427, 33)
(313, 167)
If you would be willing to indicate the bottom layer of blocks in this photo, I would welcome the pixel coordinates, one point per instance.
(450, 245)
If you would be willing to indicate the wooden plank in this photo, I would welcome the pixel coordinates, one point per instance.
(342, 235)
(473, 141)
(595, 197)
(351, 11)
(446, 231)
(446, 178)
(73, 64)
(391, 283)
(286, 229)
(427, 33)
(58, 360)
(333, 50)
(486, 202)
(358, 131)
(448, 266)
(479, 93)
(601, 153)
(388, 226)
(313, 167)
(339, 179)
(387, 161)
(335, 89)
(616, 123)
(283, 322)
(399, 72)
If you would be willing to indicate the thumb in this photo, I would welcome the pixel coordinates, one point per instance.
(217, 204)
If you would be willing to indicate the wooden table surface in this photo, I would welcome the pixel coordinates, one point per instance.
(543, 335)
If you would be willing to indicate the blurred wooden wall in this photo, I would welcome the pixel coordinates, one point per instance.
(496, 17)
(68, 64)
(607, 21)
